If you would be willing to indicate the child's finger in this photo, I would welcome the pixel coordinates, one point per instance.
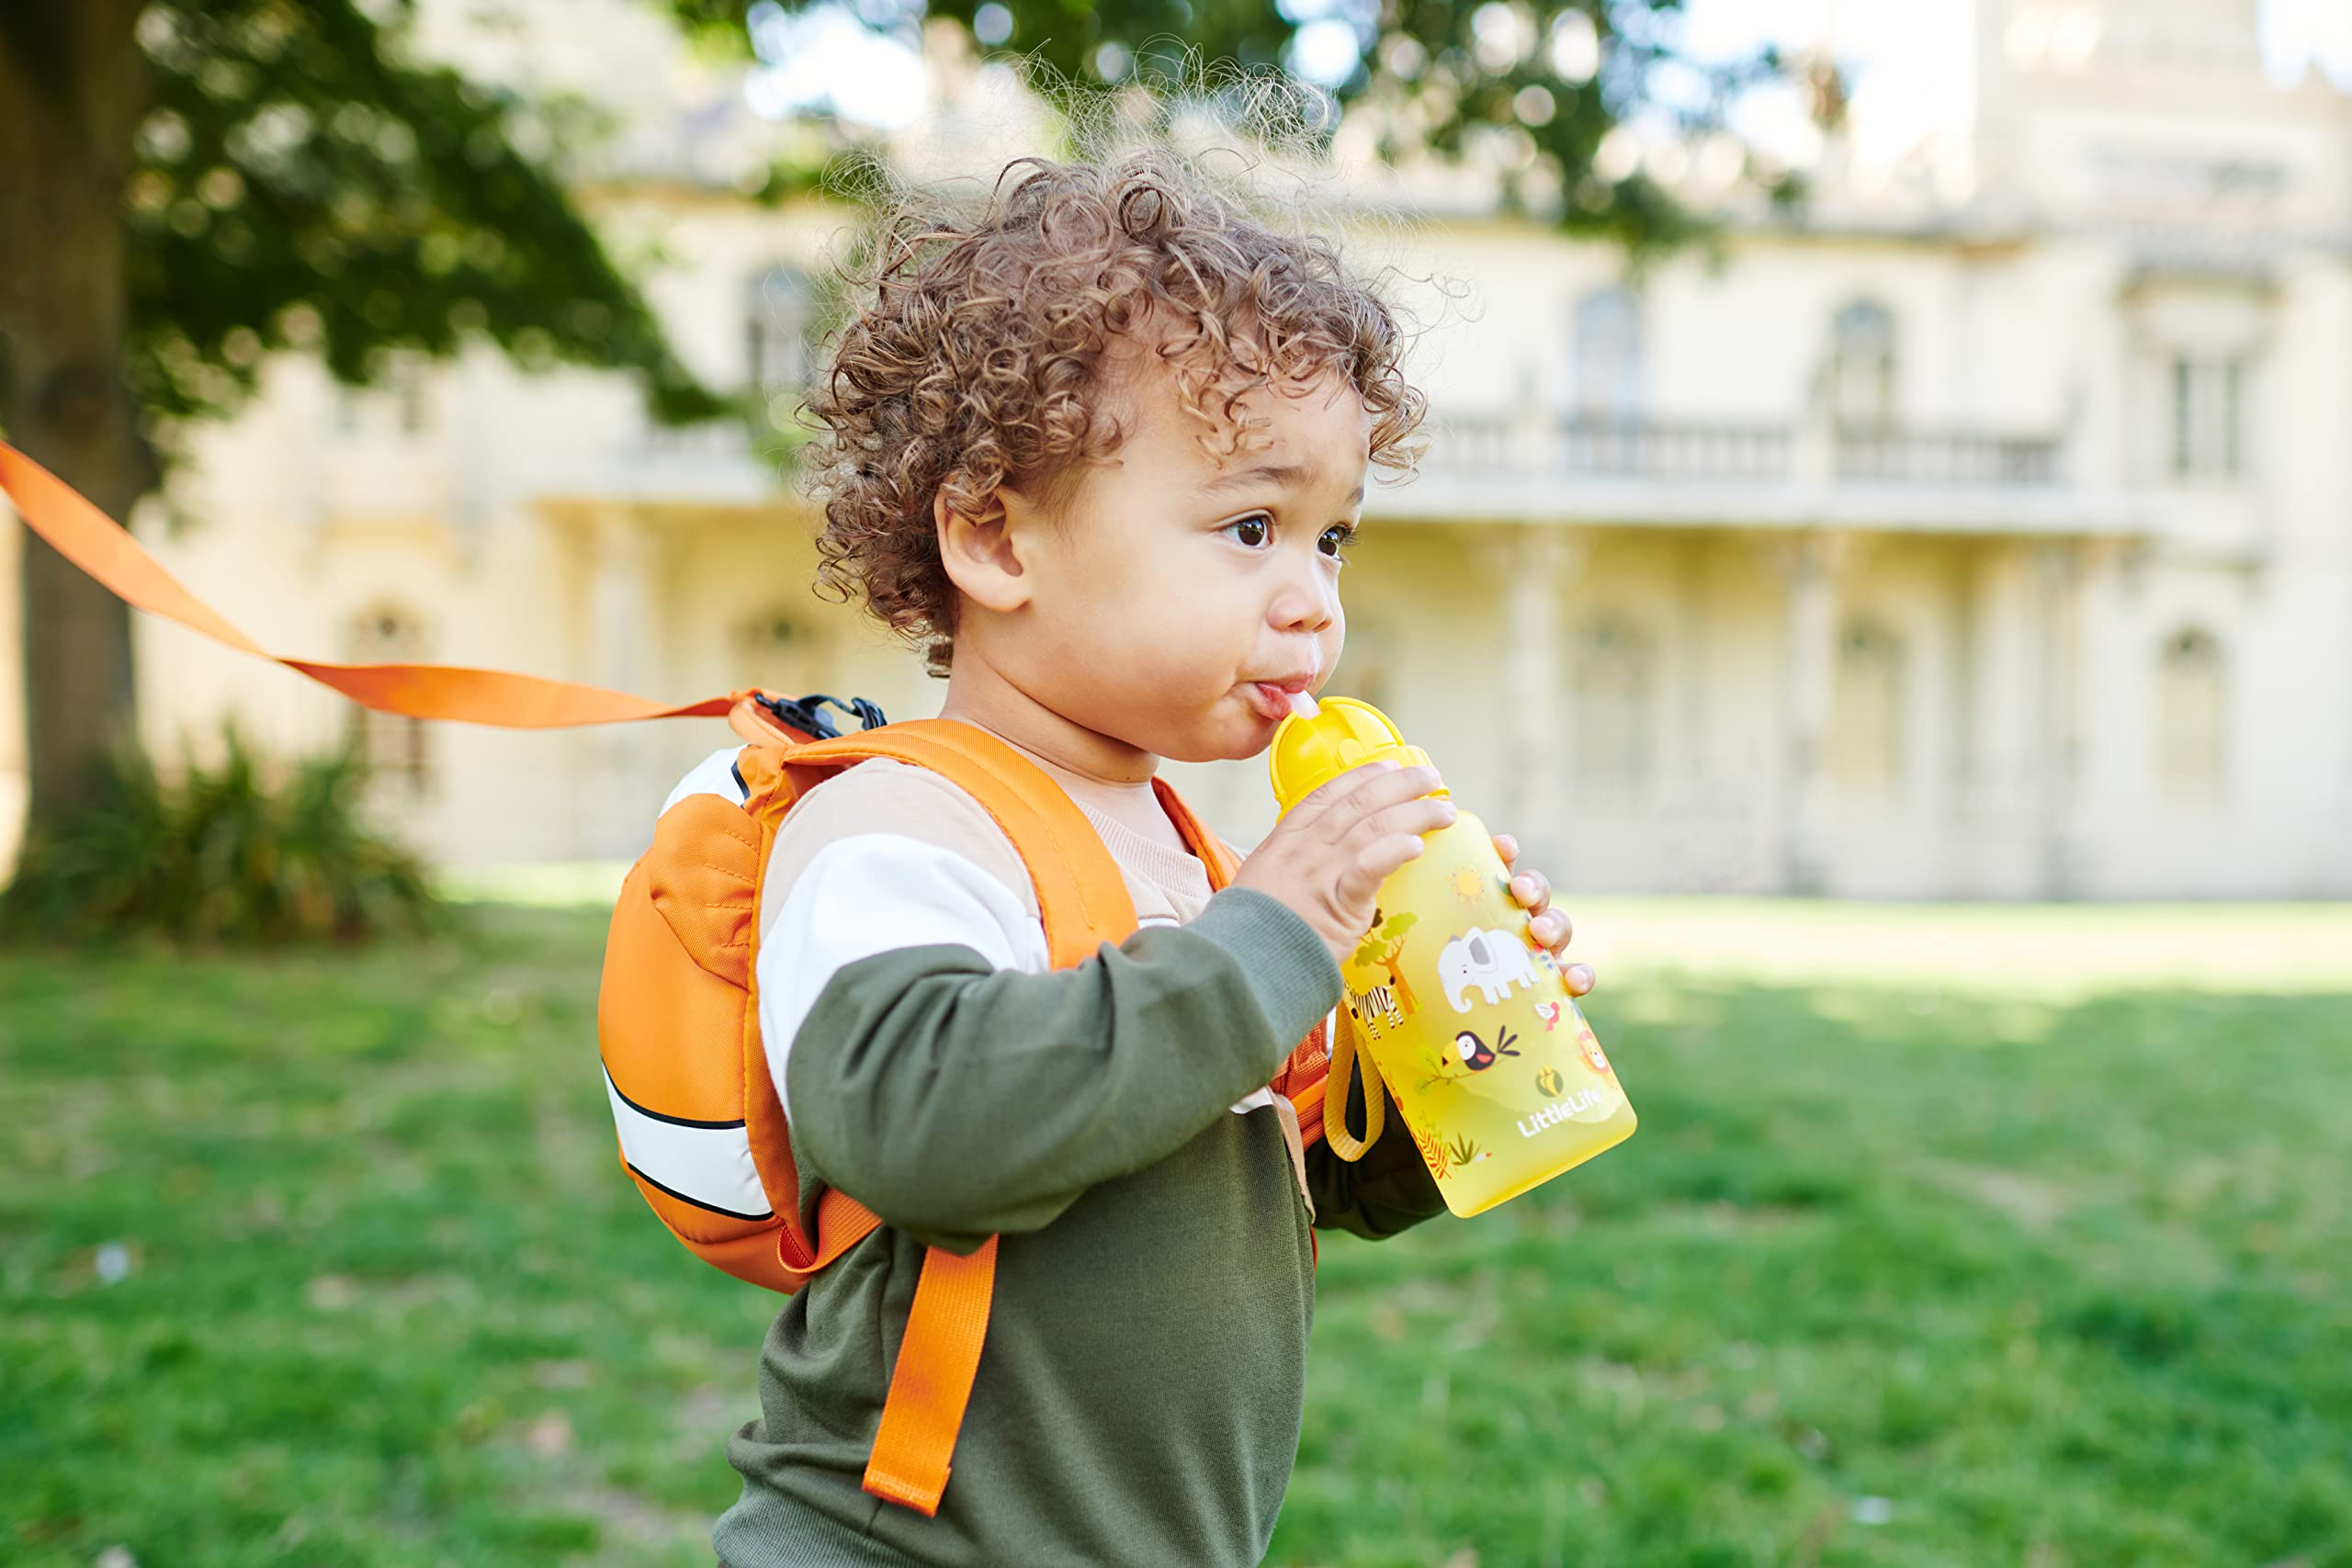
(1533, 890)
(1552, 928)
(1377, 862)
(1507, 847)
(1377, 792)
(1580, 979)
(1325, 798)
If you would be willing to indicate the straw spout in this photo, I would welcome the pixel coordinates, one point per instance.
(1322, 740)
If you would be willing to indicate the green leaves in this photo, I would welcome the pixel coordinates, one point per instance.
(1533, 90)
(221, 855)
(303, 183)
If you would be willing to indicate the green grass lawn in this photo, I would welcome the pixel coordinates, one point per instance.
(325, 1260)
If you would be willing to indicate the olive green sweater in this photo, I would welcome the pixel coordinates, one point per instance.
(1138, 1396)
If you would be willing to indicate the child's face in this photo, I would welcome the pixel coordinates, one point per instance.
(1172, 599)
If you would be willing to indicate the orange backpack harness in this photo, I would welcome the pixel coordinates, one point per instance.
(682, 1043)
(678, 1016)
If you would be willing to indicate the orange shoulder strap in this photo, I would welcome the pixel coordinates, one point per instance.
(1081, 894)
(1084, 902)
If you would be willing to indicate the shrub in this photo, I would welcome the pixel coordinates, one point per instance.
(219, 856)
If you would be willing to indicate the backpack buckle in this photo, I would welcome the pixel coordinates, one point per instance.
(806, 715)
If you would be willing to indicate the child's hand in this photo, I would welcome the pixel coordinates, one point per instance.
(1533, 891)
(1330, 853)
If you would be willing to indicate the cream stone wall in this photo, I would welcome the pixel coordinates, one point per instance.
(1984, 641)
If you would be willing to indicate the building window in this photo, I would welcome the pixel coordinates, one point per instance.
(410, 380)
(1861, 367)
(776, 321)
(1865, 749)
(1615, 681)
(2208, 417)
(399, 397)
(777, 646)
(396, 748)
(2192, 716)
(1608, 357)
(1367, 667)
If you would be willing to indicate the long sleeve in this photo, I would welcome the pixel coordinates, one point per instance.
(1388, 1190)
(929, 1069)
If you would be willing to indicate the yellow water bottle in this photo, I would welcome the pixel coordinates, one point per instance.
(1450, 1002)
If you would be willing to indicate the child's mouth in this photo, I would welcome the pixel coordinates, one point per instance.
(1268, 699)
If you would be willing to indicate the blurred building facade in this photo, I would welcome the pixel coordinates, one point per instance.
(1986, 530)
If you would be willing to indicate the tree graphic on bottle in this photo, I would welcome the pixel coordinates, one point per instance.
(1382, 946)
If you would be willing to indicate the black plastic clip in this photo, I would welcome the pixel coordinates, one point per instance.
(805, 716)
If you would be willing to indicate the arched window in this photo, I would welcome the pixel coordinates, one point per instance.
(1367, 667)
(400, 398)
(1861, 367)
(410, 380)
(396, 748)
(777, 319)
(787, 644)
(2192, 716)
(1608, 357)
(2208, 438)
(1865, 749)
(1615, 679)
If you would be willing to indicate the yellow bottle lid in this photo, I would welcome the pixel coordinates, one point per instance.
(1308, 753)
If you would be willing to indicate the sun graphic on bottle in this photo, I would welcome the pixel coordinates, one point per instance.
(1467, 884)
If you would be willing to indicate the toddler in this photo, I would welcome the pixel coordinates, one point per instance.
(1100, 452)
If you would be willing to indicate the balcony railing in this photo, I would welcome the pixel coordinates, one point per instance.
(1938, 458)
(1704, 452)
(1655, 450)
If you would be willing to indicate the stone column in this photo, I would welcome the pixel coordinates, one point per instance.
(1810, 567)
(1536, 564)
(1965, 775)
(2058, 592)
(624, 557)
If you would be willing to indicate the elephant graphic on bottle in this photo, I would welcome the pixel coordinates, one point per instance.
(1494, 962)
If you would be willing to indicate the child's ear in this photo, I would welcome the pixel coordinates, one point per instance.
(980, 554)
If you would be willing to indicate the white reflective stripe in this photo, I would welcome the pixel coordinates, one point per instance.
(709, 1166)
(715, 775)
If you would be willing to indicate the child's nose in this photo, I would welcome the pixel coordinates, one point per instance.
(1305, 606)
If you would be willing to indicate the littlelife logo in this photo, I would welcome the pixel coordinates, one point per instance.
(1553, 1116)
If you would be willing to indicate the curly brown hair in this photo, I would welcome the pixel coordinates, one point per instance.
(977, 352)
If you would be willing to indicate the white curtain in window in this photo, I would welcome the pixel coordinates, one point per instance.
(1607, 355)
(2208, 417)
(1862, 367)
(776, 321)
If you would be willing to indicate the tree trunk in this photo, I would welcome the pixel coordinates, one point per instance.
(74, 89)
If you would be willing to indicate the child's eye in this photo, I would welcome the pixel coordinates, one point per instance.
(1337, 541)
(1251, 531)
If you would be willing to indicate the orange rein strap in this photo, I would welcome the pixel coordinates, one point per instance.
(95, 543)
(1084, 899)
